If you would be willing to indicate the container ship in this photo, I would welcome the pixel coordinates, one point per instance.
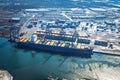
(67, 46)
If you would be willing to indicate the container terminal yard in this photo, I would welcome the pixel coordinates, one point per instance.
(70, 27)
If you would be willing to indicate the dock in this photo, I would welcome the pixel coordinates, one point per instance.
(107, 51)
(61, 28)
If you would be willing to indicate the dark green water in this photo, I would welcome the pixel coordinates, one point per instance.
(31, 65)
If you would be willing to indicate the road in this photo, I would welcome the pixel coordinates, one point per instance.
(63, 14)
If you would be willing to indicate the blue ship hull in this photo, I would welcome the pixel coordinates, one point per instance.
(65, 51)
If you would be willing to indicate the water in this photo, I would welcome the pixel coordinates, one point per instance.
(31, 65)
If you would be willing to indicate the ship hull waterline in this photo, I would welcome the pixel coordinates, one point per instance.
(65, 51)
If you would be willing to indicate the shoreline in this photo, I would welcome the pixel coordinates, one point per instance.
(99, 51)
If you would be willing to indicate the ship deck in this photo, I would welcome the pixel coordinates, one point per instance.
(59, 43)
